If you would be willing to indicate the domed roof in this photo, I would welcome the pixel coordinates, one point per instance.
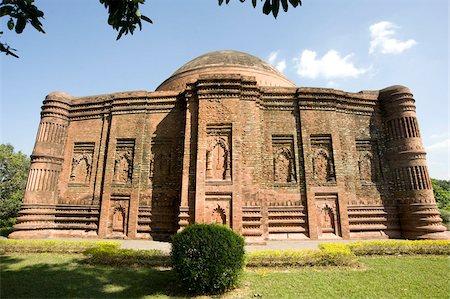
(226, 62)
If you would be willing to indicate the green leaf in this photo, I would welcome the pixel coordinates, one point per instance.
(267, 8)
(11, 24)
(275, 8)
(295, 3)
(37, 25)
(6, 10)
(20, 25)
(285, 5)
(122, 30)
(146, 19)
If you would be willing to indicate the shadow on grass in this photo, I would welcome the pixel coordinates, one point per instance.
(71, 278)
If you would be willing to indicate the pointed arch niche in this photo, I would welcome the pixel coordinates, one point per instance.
(284, 171)
(322, 159)
(368, 163)
(81, 168)
(327, 213)
(218, 152)
(123, 162)
(118, 216)
(218, 208)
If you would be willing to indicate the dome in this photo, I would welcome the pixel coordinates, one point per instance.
(226, 62)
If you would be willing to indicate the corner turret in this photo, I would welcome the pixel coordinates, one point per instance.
(419, 216)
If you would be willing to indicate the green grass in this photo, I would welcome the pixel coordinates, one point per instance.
(383, 277)
(64, 276)
(55, 275)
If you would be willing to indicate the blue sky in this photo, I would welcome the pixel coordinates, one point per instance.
(350, 45)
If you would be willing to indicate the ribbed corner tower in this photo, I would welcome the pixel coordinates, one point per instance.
(229, 139)
(411, 183)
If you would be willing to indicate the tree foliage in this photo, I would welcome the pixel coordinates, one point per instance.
(19, 13)
(271, 6)
(441, 189)
(123, 15)
(13, 178)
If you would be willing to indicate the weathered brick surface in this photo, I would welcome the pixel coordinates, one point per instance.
(229, 139)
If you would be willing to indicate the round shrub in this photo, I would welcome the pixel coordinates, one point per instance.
(208, 258)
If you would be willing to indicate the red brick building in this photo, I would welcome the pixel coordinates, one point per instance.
(229, 139)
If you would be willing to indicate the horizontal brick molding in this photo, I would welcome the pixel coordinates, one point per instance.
(229, 139)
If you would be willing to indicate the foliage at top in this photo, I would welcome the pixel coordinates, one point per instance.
(13, 178)
(441, 189)
(123, 15)
(19, 13)
(271, 6)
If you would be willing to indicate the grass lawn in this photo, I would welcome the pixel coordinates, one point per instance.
(382, 277)
(51, 275)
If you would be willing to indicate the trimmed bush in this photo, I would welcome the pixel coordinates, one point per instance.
(336, 256)
(395, 247)
(208, 258)
(112, 256)
(51, 246)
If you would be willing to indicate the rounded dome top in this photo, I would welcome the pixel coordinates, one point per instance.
(226, 62)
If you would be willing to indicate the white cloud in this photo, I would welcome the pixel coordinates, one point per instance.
(439, 135)
(277, 63)
(332, 84)
(443, 145)
(382, 39)
(273, 56)
(331, 65)
(281, 65)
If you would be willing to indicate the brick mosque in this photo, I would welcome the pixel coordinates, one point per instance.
(229, 139)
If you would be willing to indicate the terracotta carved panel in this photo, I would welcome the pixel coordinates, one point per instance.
(163, 161)
(219, 215)
(81, 168)
(327, 214)
(218, 208)
(218, 152)
(283, 159)
(119, 214)
(323, 161)
(368, 162)
(123, 162)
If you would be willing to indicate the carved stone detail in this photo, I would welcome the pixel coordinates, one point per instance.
(123, 163)
(118, 222)
(323, 162)
(81, 168)
(326, 219)
(327, 214)
(218, 208)
(218, 152)
(162, 161)
(283, 159)
(123, 167)
(219, 215)
(368, 161)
